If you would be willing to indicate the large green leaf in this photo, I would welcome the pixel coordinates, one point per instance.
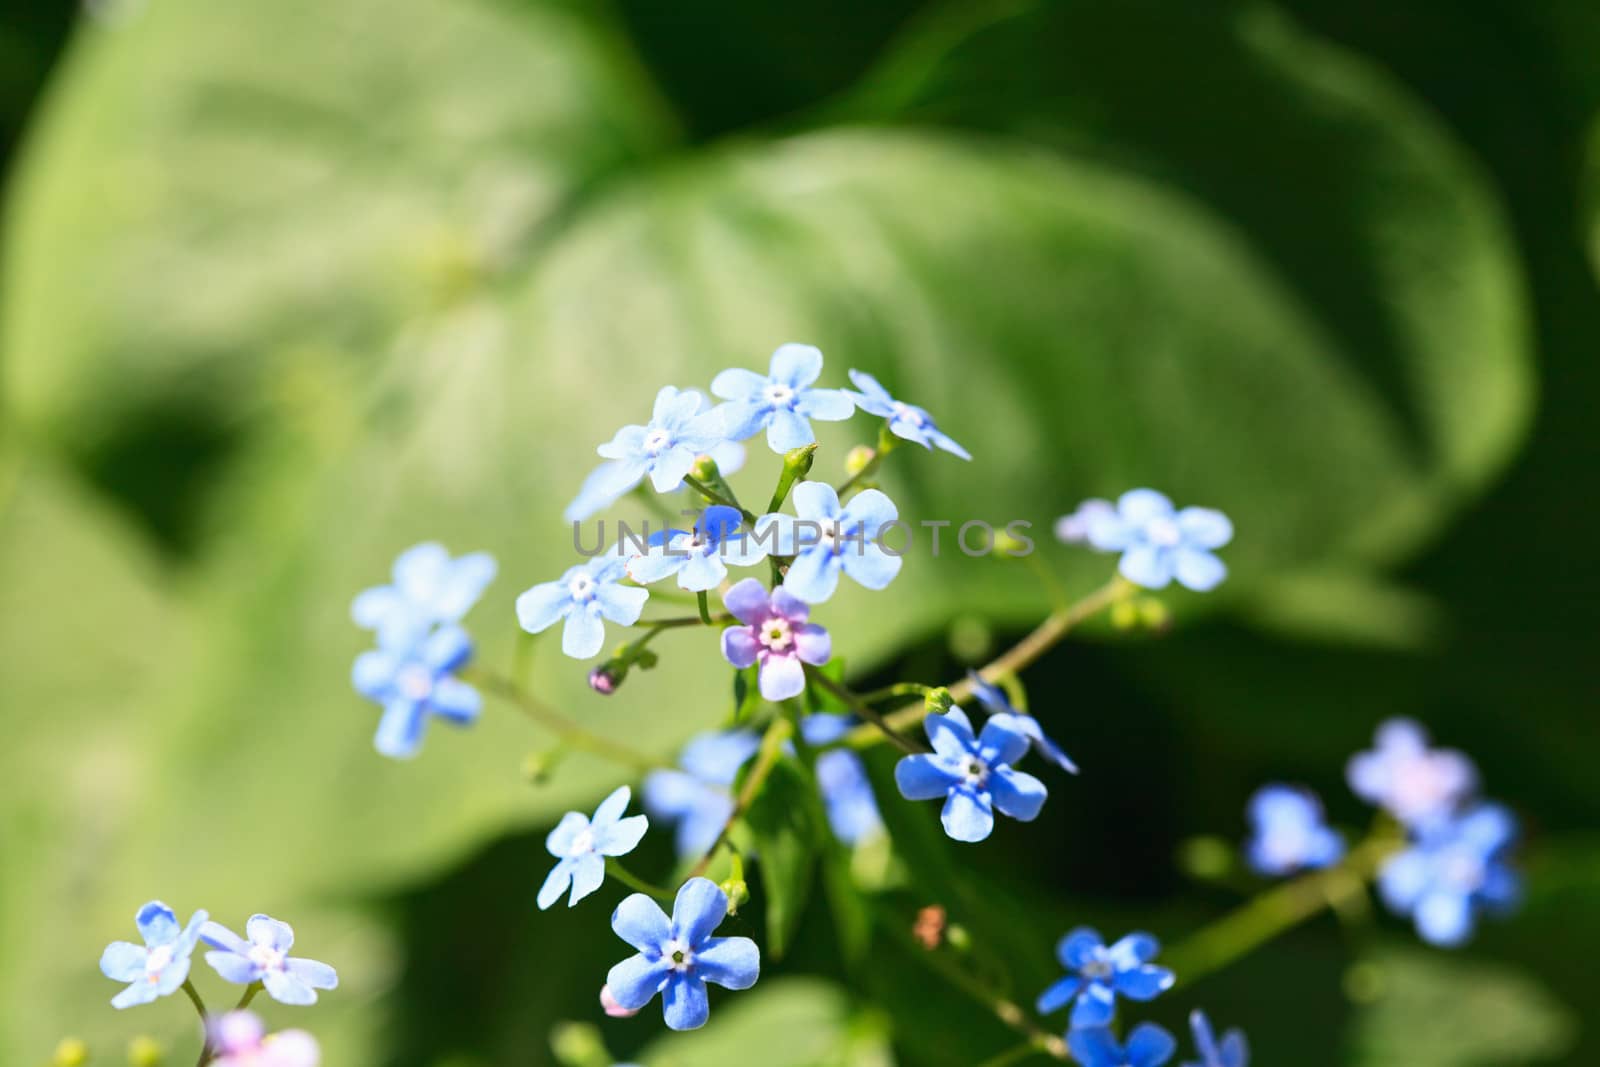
(411, 260)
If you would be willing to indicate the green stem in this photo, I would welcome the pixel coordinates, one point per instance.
(766, 758)
(250, 992)
(714, 497)
(861, 708)
(705, 608)
(657, 625)
(206, 1051)
(1014, 1054)
(1044, 637)
(896, 691)
(634, 882)
(561, 726)
(886, 444)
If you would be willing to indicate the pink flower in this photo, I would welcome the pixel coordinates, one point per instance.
(776, 635)
(241, 1041)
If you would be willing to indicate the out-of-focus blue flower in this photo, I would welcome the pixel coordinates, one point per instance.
(158, 967)
(1073, 529)
(1159, 543)
(825, 538)
(428, 588)
(1415, 783)
(1289, 832)
(906, 421)
(973, 775)
(825, 727)
(265, 958)
(678, 956)
(585, 595)
(847, 796)
(774, 632)
(999, 709)
(1148, 1046)
(680, 430)
(699, 557)
(697, 798)
(582, 845)
(1100, 974)
(1231, 1051)
(414, 683)
(1453, 870)
(783, 402)
(240, 1040)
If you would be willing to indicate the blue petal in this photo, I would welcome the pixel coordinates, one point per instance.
(373, 673)
(948, 443)
(788, 430)
(950, 734)
(717, 756)
(702, 572)
(1096, 1006)
(603, 487)
(1059, 994)
(1140, 506)
(699, 829)
(588, 873)
(1016, 794)
(464, 584)
(637, 979)
(1078, 947)
(669, 794)
(736, 383)
(828, 405)
(684, 1004)
(814, 575)
(1205, 527)
(446, 648)
(157, 924)
(314, 973)
(622, 604)
(456, 701)
(560, 840)
(795, 365)
(640, 922)
(921, 777)
(742, 419)
(1132, 950)
(658, 563)
(543, 606)
(730, 962)
(873, 398)
(1198, 569)
(967, 816)
(669, 469)
(999, 743)
(140, 992)
(1145, 982)
(816, 501)
(123, 961)
(622, 836)
(870, 565)
(1095, 1047)
(700, 906)
(233, 968)
(1444, 919)
(584, 634)
(611, 808)
(1147, 565)
(400, 730)
(1149, 1046)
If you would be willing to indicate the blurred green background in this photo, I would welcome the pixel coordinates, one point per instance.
(289, 285)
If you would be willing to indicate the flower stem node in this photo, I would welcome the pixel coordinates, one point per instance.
(857, 459)
(938, 701)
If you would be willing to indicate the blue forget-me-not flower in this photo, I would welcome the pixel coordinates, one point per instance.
(427, 588)
(1159, 543)
(582, 844)
(1289, 833)
(1100, 974)
(1414, 783)
(973, 775)
(682, 427)
(699, 557)
(678, 956)
(262, 955)
(585, 595)
(906, 421)
(414, 683)
(1231, 1051)
(697, 798)
(1454, 869)
(1148, 1045)
(783, 401)
(825, 539)
(158, 967)
(998, 707)
(1073, 529)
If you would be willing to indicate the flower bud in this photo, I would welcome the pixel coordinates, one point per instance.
(856, 460)
(580, 1044)
(938, 701)
(1125, 615)
(71, 1052)
(145, 1051)
(738, 892)
(797, 461)
(957, 937)
(609, 1004)
(705, 469)
(1155, 614)
(604, 680)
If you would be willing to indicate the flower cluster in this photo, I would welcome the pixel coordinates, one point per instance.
(1158, 542)
(421, 646)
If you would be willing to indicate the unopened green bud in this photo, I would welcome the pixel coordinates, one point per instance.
(1009, 546)
(1206, 858)
(705, 469)
(938, 701)
(957, 937)
(856, 460)
(71, 1052)
(578, 1045)
(738, 892)
(1154, 614)
(797, 461)
(145, 1051)
(1125, 615)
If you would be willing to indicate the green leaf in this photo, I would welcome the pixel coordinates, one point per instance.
(784, 1022)
(783, 820)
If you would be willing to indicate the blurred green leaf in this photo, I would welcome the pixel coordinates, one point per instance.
(788, 1022)
(784, 822)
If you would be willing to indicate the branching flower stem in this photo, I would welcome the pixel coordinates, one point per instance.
(563, 727)
(862, 708)
(206, 1050)
(772, 743)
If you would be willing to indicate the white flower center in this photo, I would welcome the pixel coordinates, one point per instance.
(779, 396)
(266, 957)
(1421, 785)
(414, 682)
(834, 537)
(776, 635)
(906, 413)
(1164, 533)
(157, 961)
(678, 954)
(581, 589)
(657, 441)
(975, 771)
(1463, 869)
(1098, 968)
(582, 845)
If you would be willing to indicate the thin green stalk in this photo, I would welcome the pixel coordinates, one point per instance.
(637, 884)
(705, 607)
(657, 625)
(206, 1051)
(886, 444)
(772, 743)
(715, 497)
(563, 727)
(250, 992)
(861, 708)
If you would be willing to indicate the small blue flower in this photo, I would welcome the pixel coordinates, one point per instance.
(1158, 543)
(1073, 529)
(847, 796)
(973, 775)
(699, 557)
(414, 683)
(1232, 1051)
(783, 401)
(906, 421)
(1416, 784)
(677, 957)
(680, 430)
(999, 709)
(584, 596)
(1289, 832)
(429, 588)
(265, 958)
(1148, 1046)
(582, 846)
(1454, 869)
(825, 539)
(158, 967)
(1100, 974)
(698, 798)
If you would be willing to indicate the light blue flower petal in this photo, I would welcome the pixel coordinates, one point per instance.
(950, 734)
(157, 924)
(777, 534)
(673, 405)
(1140, 506)
(612, 807)
(847, 796)
(736, 383)
(604, 486)
(828, 405)
(191, 933)
(626, 444)
(622, 836)
(1108, 531)
(1096, 1006)
(1149, 1046)
(1145, 982)
(684, 1004)
(814, 575)
(743, 419)
(659, 562)
(870, 565)
(123, 961)
(717, 756)
(588, 873)
(640, 922)
(795, 365)
(233, 968)
(140, 992)
(543, 606)
(700, 906)
(781, 678)
(314, 973)
(1205, 527)
(372, 607)
(1488, 827)
(400, 730)
(1198, 569)
(873, 398)
(267, 932)
(730, 962)
(1444, 919)
(635, 980)
(373, 673)
(702, 572)
(456, 701)
(788, 429)
(999, 743)
(622, 604)
(584, 634)
(446, 648)
(1235, 1050)
(1132, 950)
(1403, 879)
(872, 509)
(1016, 794)
(948, 443)
(742, 550)
(559, 841)
(921, 777)
(421, 572)
(465, 582)
(671, 466)
(815, 501)
(555, 884)
(669, 794)
(1095, 1047)
(699, 829)
(729, 456)
(173, 975)
(287, 988)
(1147, 565)
(967, 816)
(1078, 947)
(1059, 994)
(824, 728)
